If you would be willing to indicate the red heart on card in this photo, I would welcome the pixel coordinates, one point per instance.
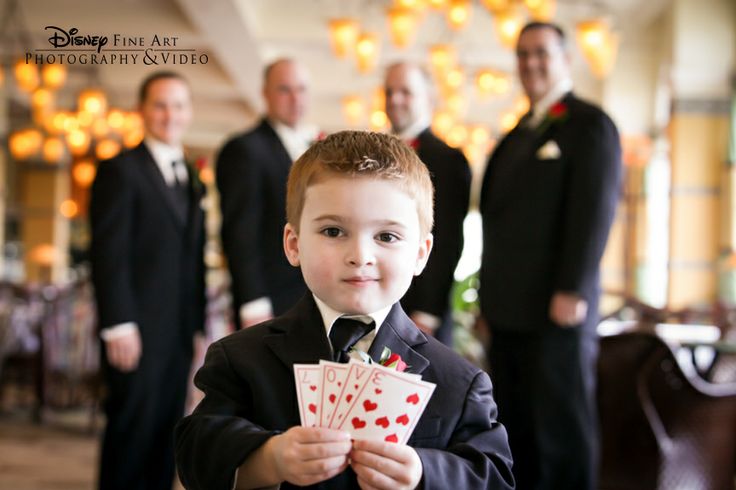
(349, 397)
(357, 423)
(383, 422)
(312, 387)
(369, 405)
(312, 408)
(332, 398)
(413, 399)
(402, 419)
(378, 391)
(392, 438)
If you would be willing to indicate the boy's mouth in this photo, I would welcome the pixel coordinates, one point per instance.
(360, 280)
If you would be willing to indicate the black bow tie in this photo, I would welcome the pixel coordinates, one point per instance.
(344, 334)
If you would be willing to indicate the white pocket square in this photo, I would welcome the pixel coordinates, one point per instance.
(549, 151)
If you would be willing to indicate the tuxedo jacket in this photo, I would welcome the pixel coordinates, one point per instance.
(250, 395)
(450, 173)
(147, 252)
(252, 170)
(548, 199)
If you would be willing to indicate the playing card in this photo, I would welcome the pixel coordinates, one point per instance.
(334, 375)
(388, 406)
(308, 379)
(357, 376)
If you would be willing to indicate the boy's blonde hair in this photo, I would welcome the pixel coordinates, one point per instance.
(356, 154)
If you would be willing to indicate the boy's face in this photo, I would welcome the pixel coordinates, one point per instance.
(359, 243)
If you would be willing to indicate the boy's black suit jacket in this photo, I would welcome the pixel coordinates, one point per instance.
(252, 169)
(250, 395)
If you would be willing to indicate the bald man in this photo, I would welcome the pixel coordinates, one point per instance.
(409, 101)
(252, 169)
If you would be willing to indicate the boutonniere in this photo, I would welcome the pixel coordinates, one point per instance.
(388, 360)
(318, 137)
(193, 169)
(557, 113)
(413, 144)
(549, 151)
(392, 360)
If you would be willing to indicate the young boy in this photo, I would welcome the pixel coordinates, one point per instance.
(359, 211)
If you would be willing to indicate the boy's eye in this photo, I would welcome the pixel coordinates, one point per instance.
(331, 232)
(387, 237)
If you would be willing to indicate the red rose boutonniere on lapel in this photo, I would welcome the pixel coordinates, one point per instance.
(319, 136)
(557, 113)
(392, 360)
(193, 171)
(388, 359)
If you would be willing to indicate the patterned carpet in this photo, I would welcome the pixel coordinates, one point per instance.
(60, 454)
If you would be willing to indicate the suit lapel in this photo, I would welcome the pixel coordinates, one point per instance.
(278, 150)
(196, 193)
(153, 174)
(300, 338)
(399, 334)
(516, 152)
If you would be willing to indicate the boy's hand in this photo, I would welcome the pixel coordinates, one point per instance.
(385, 465)
(308, 455)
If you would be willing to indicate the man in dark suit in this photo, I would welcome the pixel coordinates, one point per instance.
(548, 199)
(409, 108)
(252, 169)
(148, 274)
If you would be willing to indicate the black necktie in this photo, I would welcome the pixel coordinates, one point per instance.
(344, 334)
(181, 191)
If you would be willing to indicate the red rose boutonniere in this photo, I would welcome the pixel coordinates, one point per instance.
(413, 144)
(388, 360)
(319, 136)
(557, 113)
(391, 360)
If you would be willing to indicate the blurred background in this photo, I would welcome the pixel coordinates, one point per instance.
(663, 69)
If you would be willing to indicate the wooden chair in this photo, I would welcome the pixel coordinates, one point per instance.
(662, 426)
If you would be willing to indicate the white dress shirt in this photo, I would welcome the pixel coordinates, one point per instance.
(556, 93)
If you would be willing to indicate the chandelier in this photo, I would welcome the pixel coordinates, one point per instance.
(599, 45)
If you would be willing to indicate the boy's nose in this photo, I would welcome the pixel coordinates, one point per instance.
(360, 253)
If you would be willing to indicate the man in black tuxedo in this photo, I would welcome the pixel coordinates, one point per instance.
(148, 273)
(548, 199)
(409, 108)
(252, 169)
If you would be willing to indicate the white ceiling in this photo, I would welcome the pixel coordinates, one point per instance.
(240, 36)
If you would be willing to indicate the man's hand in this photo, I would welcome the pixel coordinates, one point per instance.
(308, 455)
(567, 309)
(124, 351)
(385, 465)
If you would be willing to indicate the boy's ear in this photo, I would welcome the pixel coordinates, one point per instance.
(291, 245)
(425, 247)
